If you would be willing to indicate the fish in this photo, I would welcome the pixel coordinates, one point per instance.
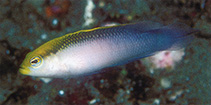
(88, 51)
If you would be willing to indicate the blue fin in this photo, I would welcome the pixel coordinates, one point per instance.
(143, 26)
(174, 36)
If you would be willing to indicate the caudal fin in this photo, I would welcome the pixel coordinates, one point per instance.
(175, 36)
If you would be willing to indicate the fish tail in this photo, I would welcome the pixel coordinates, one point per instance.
(175, 36)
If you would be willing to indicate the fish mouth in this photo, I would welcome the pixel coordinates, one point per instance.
(24, 71)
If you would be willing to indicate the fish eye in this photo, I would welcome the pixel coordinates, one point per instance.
(36, 61)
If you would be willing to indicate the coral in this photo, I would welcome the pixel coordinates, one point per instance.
(88, 13)
(58, 8)
(166, 59)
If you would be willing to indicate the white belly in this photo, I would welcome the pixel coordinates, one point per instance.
(87, 57)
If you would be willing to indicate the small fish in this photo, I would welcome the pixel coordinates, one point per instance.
(88, 51)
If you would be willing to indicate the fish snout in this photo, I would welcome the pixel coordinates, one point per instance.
(24, 70)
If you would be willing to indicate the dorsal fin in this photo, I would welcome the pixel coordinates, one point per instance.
(144, 26)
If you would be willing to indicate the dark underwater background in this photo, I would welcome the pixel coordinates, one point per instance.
(27, 24)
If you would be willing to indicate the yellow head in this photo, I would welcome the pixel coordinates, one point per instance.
(34, 63)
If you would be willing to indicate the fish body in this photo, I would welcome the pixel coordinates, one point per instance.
(87, 51)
